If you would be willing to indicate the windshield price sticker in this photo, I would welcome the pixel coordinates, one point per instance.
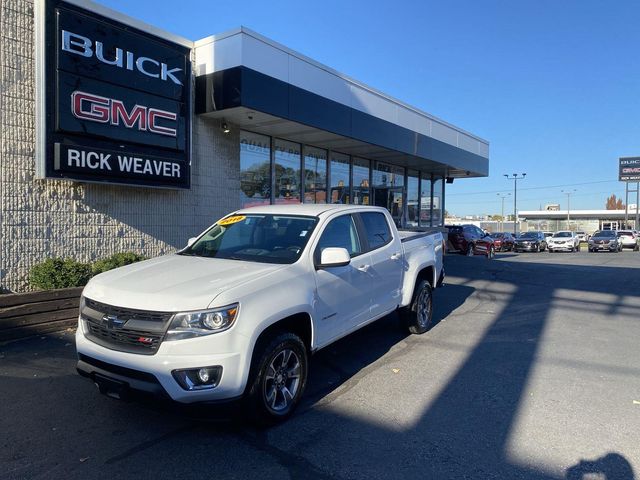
(231, 220)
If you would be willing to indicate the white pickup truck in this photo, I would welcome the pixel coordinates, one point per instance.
(238, 312)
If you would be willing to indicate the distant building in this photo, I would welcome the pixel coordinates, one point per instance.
(552, 207)
(578, 220)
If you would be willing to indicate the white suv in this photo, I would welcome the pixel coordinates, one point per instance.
(563, 241)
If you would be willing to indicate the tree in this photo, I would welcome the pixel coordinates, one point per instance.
(496, 218)
(614, 203)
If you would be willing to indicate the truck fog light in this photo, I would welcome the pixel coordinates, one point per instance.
(203, 375)
(198, 378)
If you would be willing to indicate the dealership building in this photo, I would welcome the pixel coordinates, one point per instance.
(117, 136)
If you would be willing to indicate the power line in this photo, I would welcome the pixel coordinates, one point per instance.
(536, 188)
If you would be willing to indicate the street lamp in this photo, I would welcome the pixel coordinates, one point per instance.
(515, 179)
(568, 193)
(502, 196)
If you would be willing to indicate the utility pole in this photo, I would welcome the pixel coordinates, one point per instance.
(502, 196)
(568, 193)
(515, 179)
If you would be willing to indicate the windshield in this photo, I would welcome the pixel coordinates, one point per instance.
(529, 235)
(497, 235)
(256, 238)
(562, 234)
(605, 233)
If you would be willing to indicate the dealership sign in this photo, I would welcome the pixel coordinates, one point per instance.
(629, 169)
(114, 100)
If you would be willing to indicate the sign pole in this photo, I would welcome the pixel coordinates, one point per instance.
(637, 201)
(626, 204)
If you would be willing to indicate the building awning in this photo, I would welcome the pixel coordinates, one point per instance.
(262, 86)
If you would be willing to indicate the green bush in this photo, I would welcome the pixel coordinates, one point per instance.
(59, 273)
(65, 273)
(116, 260)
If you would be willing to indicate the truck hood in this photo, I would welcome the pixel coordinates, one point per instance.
(173, 283)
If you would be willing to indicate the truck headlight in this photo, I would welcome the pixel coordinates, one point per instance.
(204, 322)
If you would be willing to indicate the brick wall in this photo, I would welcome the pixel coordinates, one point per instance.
(51, 218)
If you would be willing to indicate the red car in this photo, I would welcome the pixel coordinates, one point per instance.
(503, 241)
(471, 240)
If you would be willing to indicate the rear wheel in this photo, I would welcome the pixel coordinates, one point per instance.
(278, 378)
(419, 315)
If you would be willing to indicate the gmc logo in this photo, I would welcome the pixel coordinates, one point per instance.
(94, 108)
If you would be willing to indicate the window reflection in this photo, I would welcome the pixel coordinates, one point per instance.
(287, 169)
(361, 181)
(339, 178)
(425, 200)
(413, 181)
(255, 169)
(315, 175)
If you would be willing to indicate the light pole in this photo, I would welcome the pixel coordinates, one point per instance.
(502, 196)
(568, 193)
(515, 179)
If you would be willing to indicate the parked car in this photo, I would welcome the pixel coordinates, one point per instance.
(582, 236)
(503, 241)
(547, 235)
(563, 240)
(470, 240)
(628, 239)
(605, 240)
(531, 242)
(239, 311)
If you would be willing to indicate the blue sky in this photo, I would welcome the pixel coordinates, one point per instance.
(553, 85)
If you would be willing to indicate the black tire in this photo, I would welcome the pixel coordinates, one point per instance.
(469, 252)
(491, 252)
(538, 248)
(270, 411)
(417, 317)
(635, 249)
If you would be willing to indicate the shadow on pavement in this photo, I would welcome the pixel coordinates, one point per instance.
(463, 431)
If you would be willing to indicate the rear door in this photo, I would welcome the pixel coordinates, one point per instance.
(385, 261)
(343, 294)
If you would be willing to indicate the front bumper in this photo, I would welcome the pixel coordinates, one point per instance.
(153, 373)
(606, 247)
(525, 247)
(561, 246)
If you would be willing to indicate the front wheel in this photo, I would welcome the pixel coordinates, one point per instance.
(419, 315)
(470, 250)
(491, 253)
(278, 378)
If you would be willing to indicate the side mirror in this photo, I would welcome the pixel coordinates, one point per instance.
(334, 257)
(191, 241)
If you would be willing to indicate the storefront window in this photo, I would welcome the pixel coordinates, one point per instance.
(425, 200)
(413, 181)
(287, 169)
(339, 178)
(315, 175)
(361, 181)
(255, 169)
(437, 217)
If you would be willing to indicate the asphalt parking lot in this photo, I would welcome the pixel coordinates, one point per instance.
(532, 372)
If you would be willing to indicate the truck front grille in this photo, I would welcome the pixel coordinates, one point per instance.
(122, 329)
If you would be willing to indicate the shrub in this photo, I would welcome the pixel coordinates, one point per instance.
(59, 273)
(116, 260)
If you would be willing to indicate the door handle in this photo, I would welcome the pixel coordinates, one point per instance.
(363, 268)
(396, 256)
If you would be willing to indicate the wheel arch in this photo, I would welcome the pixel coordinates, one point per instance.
(299, 324)
(427, 272)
